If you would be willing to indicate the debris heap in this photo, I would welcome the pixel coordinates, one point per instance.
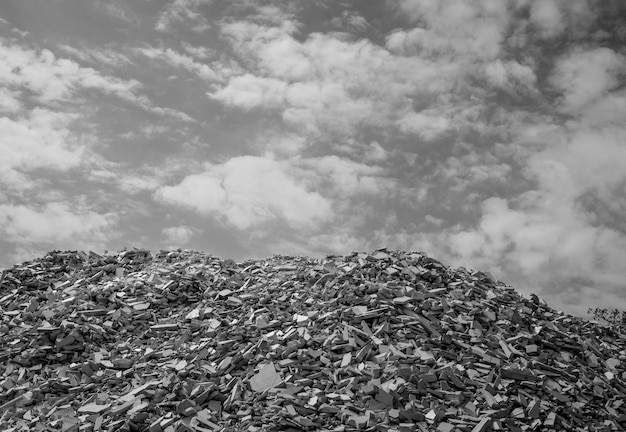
(382, 341)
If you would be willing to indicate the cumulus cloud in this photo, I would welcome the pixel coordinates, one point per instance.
(249, 91)
(475, 29)
(40, 140)
(99, 56)
(584, 76)
(547, 16)
(200, 52)
(56, 223)
(553, 18)
(283, 145)
(178, 236)
(508, 75)
(55, 79)
(324, 84)
(117, 10)
(565, 232)
(473, 169)
(9, 101)
(609, 109)
(249, 191)
(179, 60)
(344, 178)
(350, 21)
(541, 243)
(52, 80)
(426, 126)
(183, 11)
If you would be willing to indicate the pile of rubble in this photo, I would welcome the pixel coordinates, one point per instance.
(382, 341)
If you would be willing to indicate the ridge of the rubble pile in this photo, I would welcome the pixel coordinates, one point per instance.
(381, 341)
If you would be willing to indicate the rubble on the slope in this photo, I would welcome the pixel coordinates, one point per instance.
(386, 341)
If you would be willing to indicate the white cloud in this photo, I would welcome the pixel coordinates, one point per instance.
(426, 126)
(316, 106)
(179, 235)
(544, 241)
(374, 152)
(610, 108)
(133, 184)
(101, 56)
(344, 178)
(178, 60)
(585, 76)
(509, 74)
(553, 18)
(589, 159)
(183, 11)
(57, 224)
(472, 170)
(350, 21)
(200, 52)
(117, 10)
(249, 191)
(566, 232)
(326, 85)
(249, 91)
(273, 47)
(284, 145)
(9, 101)
(40, 140)
(548, 17)
(475, 29)
(52, 79)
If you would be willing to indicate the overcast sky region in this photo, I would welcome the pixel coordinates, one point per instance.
(490, 134)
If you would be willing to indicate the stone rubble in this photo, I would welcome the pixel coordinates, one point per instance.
(382, 341)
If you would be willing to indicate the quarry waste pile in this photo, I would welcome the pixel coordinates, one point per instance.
(380, 341)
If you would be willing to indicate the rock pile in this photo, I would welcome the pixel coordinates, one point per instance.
(382, 341)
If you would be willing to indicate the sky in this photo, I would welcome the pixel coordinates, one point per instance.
(489, 134)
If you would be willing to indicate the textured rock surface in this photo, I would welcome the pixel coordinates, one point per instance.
(389, 341)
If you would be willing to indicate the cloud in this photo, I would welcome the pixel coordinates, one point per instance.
(589, 159)
(584, 76)
(178, 60)
(564, 232)
(183, 11)
(472, 170)
(52, 79)
(58, 224)
(343, 178)
(350, 21)
(326, 85)
(40, 140)
(374, 153)
(426, 126)
(117, 10)
(99, 56)
(510, 74)
(178, 236)
(200, 52)
(475, 29)
(608, 109)
(9, 101)
(547, 16)
(249, 191)
(133, 184)
(553, 18)
(538, 244)
(250, 91)
(282, 144)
